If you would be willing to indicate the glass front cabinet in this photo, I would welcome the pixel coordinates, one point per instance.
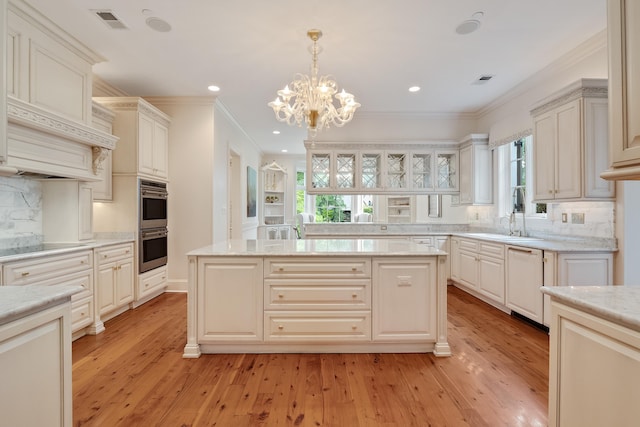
(373, 171)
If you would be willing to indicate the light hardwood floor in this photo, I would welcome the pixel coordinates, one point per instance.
(133, 374)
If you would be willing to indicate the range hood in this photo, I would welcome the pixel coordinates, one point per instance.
(44, 144)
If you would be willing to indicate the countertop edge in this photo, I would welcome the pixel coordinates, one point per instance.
(21, 301)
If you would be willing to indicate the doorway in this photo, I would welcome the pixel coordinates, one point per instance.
(234, 192)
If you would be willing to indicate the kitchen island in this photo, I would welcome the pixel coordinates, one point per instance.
(594, 356)
(337, 295)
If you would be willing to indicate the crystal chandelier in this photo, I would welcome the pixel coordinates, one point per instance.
(309, 98)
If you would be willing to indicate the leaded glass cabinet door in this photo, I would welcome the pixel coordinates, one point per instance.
(447, 171)
(421, 171)
(371, 170)
(320, 170)
(345, 170)
(396, 170)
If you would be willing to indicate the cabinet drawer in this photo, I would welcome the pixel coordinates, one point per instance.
(323, 268)
(317, 326)
(81, 313)
(468, 245)
(492, 249)
(38, 270)
(428, 240)
(317, 294)
(112, 253)
(152, 281)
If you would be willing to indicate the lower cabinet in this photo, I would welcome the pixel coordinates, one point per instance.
(400, 291)
(35, 369)
(151, 282)
(594, 370)
(115, 278)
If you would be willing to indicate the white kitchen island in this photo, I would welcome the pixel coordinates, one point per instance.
(337, 295)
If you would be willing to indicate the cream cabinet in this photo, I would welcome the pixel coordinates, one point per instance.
(67, 210)
(230, 300)
(439, 242)
(74, 268)
(401, 288)
(369, 169)
(400, 209)
(273, 196)
(35, 367)
(476, 171)
(144, 137)
(569, 144)
(151, 283)
(585, 269)
(103, 120)
(114, 279)
(524, 279)
(623, 26)
(594, 369)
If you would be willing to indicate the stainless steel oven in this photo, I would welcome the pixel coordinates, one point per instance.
(153, 204)
(153, 248)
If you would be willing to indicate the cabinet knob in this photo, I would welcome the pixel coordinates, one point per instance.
(82, 314)
(354, 269)
(354, 295)
(82, 262)
(25, 273)
(550, 191)
(146, 285)
(280, 327)
(354, 327)
(104, 256)
(281, 269)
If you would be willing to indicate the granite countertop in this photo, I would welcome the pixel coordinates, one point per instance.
(20, 301)
(46, 249)
(617, 304)
(321, 247)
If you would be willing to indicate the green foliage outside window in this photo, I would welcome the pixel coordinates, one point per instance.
(330, 208)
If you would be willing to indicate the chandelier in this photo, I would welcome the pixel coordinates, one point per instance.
(310, 98)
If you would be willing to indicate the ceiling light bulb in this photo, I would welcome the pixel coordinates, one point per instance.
(284, 150)
(414, 89)
(276, 132)
(214, 88)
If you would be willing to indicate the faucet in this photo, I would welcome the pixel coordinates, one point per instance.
(512, 217)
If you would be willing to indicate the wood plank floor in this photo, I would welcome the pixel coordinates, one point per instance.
(133, 374)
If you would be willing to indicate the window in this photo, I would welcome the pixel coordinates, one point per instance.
(518, 173)
(341, 207)
(301, 192)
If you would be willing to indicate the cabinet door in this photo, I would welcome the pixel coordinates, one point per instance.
(371, 170)
(468, 268)
(160, 150)
(524, 279)
(623, 26)
(402, 290)
(544, 135)
(396, 170)
(421, 171)
(145, 143)
(106, 282)
(455, 258)
(466, 171)
(124, 282)
(491, 278)
(446, 171)
(320, 167)
(580, 269)
(568, 151)
(230, 300)
(345, 170)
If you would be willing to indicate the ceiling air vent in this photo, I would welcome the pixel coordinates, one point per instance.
(483, 79)
(110, 19)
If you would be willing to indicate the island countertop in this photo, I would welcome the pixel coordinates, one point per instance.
(617, 304)
(20, 301)
(314, 247)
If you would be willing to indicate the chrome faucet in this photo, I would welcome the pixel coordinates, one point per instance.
(512, 217)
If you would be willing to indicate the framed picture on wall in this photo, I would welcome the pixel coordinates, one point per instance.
(251, 192)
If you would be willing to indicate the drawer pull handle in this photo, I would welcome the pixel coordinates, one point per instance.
(281, 269)
(354, 295)
(82, 262)
(104, 256)
(280, 327)
(354, 269)
(354, 327)
(24, 274)
(280, 296)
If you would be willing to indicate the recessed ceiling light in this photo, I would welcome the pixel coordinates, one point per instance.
(214, 88)
(284, 150)
(158, 24)
(276, 132)
(470, 25)
(414, 89)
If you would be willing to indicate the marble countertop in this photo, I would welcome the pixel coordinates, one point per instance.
(567, 245)
(58, 248)
(20, 301)
(618, 304)
(322, 247)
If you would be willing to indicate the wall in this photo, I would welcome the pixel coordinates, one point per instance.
(20, 212)
(200, 137)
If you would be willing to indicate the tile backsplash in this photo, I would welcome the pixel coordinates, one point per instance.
(20, 212)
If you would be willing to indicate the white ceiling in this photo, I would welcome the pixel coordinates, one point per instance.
(376, 49)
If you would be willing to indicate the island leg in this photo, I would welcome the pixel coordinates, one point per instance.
(192, 348)
(441, 348)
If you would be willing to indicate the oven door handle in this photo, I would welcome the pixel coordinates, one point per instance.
(158, 194)
(154, 234)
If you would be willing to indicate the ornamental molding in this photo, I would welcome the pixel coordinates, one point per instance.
(99, 156)
(34, 117)
(133, 104)
(585, 88)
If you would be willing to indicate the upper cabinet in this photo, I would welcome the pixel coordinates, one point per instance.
(274, 190)
(143, 130)
(570, 148)
(623, 23)
(476, 170)
(103, 120)
(369, 169)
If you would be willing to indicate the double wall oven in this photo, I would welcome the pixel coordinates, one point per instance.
(153, 225)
